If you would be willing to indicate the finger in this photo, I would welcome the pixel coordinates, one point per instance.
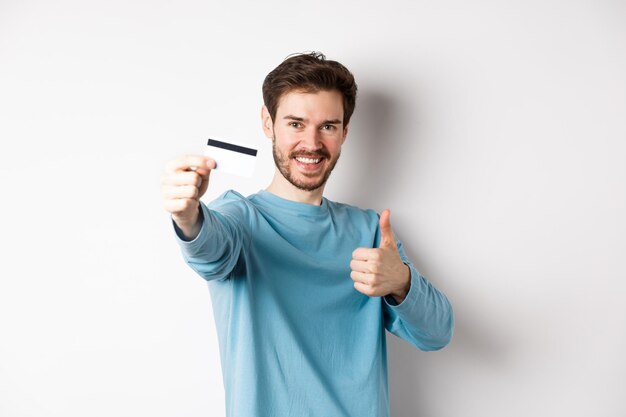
(203, 186)
(386, 233)
(365, 289)
(366, 254)
(199, 163)
(361, 266)
(361, 277)
(203, 171)
(182, 178)
(180, 191)
(179, 205)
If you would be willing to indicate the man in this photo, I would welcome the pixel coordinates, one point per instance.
(302, 288)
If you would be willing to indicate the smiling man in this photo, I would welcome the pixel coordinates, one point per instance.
(302, 287)
(306, 142)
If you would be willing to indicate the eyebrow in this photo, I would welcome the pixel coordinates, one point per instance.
(301, 119)
(297, 119)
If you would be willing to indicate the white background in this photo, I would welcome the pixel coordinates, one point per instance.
(495, 132)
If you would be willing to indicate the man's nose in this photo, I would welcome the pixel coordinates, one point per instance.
(311, 138)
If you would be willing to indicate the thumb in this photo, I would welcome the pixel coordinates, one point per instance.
(386, 233)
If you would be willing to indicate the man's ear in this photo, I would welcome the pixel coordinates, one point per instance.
(268, 125)
(345, 133)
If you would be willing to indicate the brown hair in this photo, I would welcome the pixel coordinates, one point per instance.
(309, 72)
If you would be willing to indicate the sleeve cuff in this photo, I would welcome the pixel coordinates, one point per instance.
(190, 246)
(411, 296)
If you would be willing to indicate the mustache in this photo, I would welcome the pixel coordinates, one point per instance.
(306, 154)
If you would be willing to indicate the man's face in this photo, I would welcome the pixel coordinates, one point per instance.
(307, 135)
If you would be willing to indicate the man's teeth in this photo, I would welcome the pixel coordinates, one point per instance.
(308, 160)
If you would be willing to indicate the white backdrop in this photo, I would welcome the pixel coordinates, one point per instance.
(495, 132)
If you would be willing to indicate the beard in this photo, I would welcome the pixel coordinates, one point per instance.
(283, 164)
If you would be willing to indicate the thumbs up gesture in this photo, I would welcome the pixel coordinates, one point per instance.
(380, 271)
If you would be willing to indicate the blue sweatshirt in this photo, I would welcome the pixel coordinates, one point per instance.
(295, 337)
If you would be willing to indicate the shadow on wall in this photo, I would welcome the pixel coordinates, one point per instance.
(374, 151)
(383, 139)
(415, 380)
(415, 377)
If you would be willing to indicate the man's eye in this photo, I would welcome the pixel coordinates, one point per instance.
(295, 124)
(328, 127)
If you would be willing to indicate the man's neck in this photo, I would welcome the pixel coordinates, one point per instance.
(284, 189)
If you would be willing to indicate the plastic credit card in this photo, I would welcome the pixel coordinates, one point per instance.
(232, 157)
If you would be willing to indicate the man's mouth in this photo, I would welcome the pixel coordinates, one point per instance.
(306, 160)
(309, 164)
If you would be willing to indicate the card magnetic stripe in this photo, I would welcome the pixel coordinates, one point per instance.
(231, 147)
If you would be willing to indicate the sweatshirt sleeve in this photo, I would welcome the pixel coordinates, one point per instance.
(216, 250)
(424, 318)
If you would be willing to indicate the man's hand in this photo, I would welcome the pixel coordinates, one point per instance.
(186, 179)
(380, 271)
